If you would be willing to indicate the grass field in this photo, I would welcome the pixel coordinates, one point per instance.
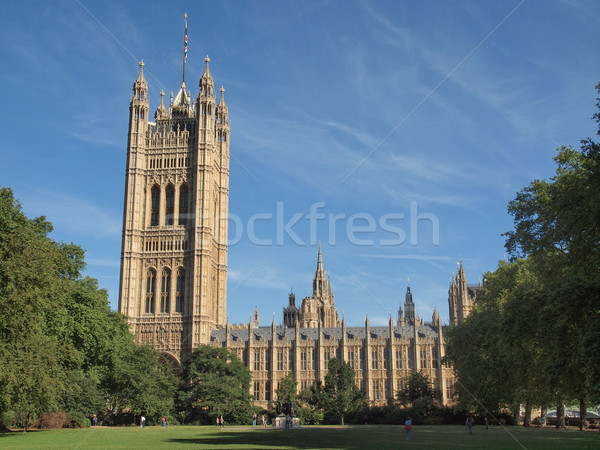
(348, 437)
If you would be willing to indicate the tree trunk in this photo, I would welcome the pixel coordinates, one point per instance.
(560, 416)
(342, 420)
(543, 412)
(527, 420)
(583, 425)
(517, 413)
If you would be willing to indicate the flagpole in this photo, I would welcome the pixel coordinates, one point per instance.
(184, 49)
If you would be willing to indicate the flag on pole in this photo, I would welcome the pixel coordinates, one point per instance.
(185, 41)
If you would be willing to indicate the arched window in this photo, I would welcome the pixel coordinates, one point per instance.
(180, 290)
(183, 204)
(169, 205)
(165, 288)
(150, 289)
(155, 207)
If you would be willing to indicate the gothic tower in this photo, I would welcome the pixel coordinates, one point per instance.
(174, 252)
(460, 297)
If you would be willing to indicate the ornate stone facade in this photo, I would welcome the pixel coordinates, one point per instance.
(174, 254)
(174, 265)
(381, 356)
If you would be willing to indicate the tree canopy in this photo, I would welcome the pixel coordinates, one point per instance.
(61, 347)
(340, 395)
(215, 383)
(534, 333)
(287, 388)
(418, 392)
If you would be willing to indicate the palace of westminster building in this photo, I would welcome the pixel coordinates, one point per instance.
(174, 266)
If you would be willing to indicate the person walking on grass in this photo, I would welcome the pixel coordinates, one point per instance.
(254, 419)
(470, 421)
(408, 428)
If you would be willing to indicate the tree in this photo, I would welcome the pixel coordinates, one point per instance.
(557, 223)
(30, 381)
(501, 353)
(142, 384)
(418, 392)
(339, 396)
(61, 347)
(215, 382)
(417, 386)
(287, 391)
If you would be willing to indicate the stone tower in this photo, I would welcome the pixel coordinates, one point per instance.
(174, 252)
(460, 297)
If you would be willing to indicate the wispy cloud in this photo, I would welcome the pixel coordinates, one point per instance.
(73, 213)
(414, 256)
(100, 262)
(99, 140)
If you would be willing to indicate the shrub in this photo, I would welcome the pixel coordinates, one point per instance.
(51, 421)
(308, 417)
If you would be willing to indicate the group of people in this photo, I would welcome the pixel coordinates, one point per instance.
(263, 420)
(143, 421)
(469, 423)
(220, 422)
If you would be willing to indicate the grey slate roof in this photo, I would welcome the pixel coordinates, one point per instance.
(281, 332)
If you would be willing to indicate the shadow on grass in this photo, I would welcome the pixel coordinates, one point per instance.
(6, 433)
(305, 438)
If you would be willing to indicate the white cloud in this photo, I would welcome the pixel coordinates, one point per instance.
(72, 213)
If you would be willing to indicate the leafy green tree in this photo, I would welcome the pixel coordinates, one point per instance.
(339, 396)
(141, 384)
(82, 396)
(499, 352)
(480, 364)
(61, 347)
(557, 222)
(287, 391)
(418, 392)
(215, 382)
(30, 381)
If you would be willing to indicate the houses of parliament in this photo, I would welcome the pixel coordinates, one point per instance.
(173, 276)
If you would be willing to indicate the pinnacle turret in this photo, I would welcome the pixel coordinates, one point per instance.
(161, 111)
(206, 82)
(222, 99)
(222, 116)
(140, 81)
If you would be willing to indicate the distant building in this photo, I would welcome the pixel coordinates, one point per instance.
(309, 337)
(174, 265)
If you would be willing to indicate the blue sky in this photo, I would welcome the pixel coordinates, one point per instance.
(459, 105)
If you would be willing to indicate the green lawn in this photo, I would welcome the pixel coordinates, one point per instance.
(348, 437)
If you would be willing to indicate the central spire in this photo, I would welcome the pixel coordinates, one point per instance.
(320, 261)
